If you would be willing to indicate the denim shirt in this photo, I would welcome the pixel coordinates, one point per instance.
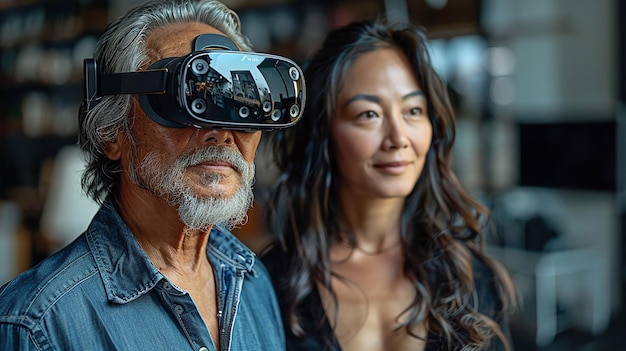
(102, 292)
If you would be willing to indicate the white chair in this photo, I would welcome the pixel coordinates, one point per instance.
(67, 211)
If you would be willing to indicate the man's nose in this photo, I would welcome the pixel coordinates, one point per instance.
(215, 136)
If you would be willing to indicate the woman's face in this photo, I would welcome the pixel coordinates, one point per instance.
(380, 129)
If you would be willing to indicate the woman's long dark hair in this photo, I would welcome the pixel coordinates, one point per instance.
(441, 225)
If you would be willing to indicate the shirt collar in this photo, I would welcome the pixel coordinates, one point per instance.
(126, 270)
(225, 248)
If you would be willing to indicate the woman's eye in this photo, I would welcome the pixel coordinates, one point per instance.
(416, 111)
(368, 115)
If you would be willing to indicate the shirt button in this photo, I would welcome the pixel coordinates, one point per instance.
(179, 309)
(167, 286)
(203, 349)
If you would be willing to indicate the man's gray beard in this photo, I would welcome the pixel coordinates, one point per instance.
(167, 182)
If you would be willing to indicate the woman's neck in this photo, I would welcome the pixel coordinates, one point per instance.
(374, 223)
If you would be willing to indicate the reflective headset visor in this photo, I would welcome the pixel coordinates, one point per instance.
(217, 88)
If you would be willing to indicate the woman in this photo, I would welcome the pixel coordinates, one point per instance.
(380, 248)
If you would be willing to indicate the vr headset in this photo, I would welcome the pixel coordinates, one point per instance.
(215, 86)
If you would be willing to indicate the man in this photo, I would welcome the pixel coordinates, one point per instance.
(157, 268)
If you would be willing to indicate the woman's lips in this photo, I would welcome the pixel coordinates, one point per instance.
(396, 167)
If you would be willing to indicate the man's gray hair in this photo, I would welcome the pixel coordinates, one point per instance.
(122, 48)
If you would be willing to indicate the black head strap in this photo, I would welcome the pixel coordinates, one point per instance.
(213, 41)
(151, 82)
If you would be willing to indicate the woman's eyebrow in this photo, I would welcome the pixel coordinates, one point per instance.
(413, 94)
(377, 99)
(366, 97)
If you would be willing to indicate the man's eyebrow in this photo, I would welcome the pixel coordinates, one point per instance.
(376, 99)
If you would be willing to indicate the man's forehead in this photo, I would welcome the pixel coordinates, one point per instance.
(175, 39)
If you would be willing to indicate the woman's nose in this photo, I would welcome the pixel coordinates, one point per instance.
(396, 134)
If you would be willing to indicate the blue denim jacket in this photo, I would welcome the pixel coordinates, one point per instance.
(102, 292)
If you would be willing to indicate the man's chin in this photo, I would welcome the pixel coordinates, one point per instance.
(213, 196)
(215, 191)
(197, 212)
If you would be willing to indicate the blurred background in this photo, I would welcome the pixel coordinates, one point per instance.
(539, 87)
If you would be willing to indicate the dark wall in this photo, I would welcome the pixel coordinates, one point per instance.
(621, 137)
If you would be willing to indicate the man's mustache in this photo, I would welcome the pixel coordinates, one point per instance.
(216, 153)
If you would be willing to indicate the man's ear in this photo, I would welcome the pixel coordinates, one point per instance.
(113, 149)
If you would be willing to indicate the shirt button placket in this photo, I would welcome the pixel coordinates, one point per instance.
(179, 309)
